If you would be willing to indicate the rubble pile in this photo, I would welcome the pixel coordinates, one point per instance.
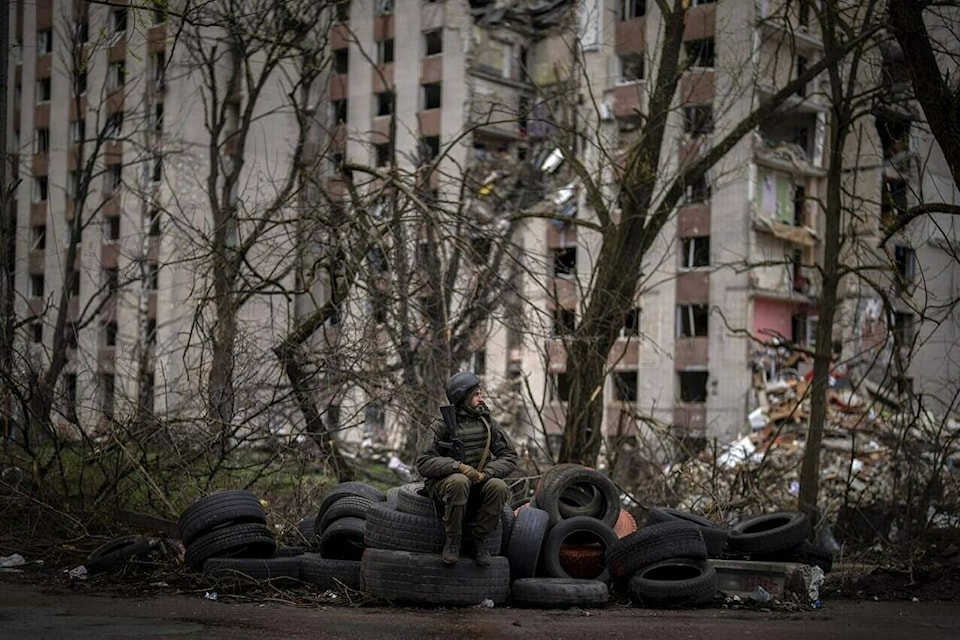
(872, 455)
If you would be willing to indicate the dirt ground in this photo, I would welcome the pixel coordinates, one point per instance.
(149, 602)
(30, 610)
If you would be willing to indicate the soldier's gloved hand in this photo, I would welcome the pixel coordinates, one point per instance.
(483, 476)
(470, 472)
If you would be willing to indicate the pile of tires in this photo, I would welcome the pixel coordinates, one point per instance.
(663, 565)
(715, 536)
(337, 533)
(781, 537)
(402, 563)
(559, 540)
(225, 535)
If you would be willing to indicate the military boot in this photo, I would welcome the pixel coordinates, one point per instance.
(481, 555)
(451, 550)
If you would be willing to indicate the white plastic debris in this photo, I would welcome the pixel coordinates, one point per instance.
(12, 561)
(486, 604)
(736, 453)
(813, 578)
(210, 595)
(757, 419)
(80, 572)
(761, 595)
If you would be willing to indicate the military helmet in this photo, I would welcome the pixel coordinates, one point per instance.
(460, 385)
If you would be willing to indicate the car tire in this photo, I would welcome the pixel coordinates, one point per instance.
(576, 530)
(714, 536)
(675, 582)
(248, 540)
(651, 544)
(769, 533)
(231, 506)
(558, 593)
(423, 579)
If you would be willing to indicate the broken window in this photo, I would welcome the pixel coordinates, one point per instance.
(560, 387)
(431, 95)
(630, 9)
(429, 148)
(433, 42)
(564, 321)
(903, 328)
(338, 109)
(692, 320)
(384, 153)
(799, 205)
(42, 140)
(894, 135)
(631, 324)
(44, 89)
(479, 364)
(632, 67)
(698, 190)
(151, 336)
(384, 103)
(565, 261)
(695, 252)
(693, 386)
(385, 52)
(39, 237)
(894, 199)
(906, 260)
(44, 41)
(111, 228)
(343, 10)
(698, 119)
(41, 189)
(36, 285)
(700, 53)
(625, 386)
(341, 60)
(110, 333)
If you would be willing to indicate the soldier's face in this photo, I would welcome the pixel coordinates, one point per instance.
(477, 398)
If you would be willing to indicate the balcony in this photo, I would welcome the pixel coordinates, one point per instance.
(804, 39)
(789, 157)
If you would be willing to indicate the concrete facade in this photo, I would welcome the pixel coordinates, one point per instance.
(734, 268)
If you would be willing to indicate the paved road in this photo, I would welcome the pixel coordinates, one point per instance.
(32, 612)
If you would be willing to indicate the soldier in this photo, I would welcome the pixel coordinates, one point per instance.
(464, 466)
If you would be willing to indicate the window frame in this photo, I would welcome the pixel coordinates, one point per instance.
(689, 317)
(430, 37)
(692, 247)
(682, 388)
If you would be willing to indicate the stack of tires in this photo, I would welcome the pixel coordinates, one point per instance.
(663, 565)
(715, 536)
(338, 536)
(559, 541)
(402, 560)
(225, 534)
(779, 537)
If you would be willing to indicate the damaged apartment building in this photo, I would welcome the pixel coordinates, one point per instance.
(735, 276)
(500, 85)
